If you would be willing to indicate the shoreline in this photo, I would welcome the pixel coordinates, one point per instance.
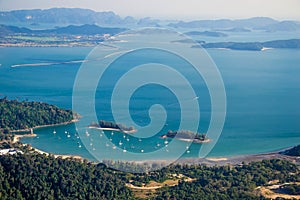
(57, 155)
(18, 137)
(210, 161)
(43, 126)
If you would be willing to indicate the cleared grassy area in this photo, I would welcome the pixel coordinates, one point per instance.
(149, 190)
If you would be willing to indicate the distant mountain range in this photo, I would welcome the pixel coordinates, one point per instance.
(241, 25)
(69, 30)
(78, 16)
(69, 16)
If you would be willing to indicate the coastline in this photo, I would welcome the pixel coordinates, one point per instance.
(57, 155)
(43, 126)
(210, 161)
(240, 159)
(18, 137)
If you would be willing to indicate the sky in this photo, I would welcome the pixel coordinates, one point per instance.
(173, 9)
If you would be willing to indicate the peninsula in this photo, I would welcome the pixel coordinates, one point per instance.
(22, 116)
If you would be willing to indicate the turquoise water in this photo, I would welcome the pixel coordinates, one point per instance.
(263, 95)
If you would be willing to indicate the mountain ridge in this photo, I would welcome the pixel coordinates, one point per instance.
(79, 16)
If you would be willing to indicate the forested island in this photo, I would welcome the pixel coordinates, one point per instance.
(22, 116)
(107, 125)
(187, 136)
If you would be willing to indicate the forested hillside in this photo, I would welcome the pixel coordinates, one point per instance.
(35, 176)
(15, 115)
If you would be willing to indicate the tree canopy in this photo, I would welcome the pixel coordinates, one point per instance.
(15, 115)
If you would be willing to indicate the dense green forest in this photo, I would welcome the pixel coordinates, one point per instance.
(35, 176)
(225, 182)
(15, 115)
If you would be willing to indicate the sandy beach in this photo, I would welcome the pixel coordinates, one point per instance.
(17, 137)
(237, 160)
(112, 129)
(57, 155)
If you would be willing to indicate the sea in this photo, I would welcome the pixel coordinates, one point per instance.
(262, 98)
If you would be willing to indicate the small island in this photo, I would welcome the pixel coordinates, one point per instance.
(188, 136)
(112, 126)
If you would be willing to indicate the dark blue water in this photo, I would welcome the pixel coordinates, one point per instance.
(263, 95)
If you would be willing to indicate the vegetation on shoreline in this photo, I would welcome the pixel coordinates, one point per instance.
(295, 151)
(113, 125)
(186, 135)
(15, 115)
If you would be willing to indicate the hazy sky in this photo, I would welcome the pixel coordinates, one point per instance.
(173, 9)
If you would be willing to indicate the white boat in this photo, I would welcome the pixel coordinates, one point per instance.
(54, 132)
(68, 135)
(87, 133)
(120, 143)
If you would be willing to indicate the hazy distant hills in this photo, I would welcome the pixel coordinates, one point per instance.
(75, 16)
(206, 33)
(254, 46)
(78, 16)
(69, 30)
(241, 25)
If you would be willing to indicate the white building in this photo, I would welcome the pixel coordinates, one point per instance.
(11, 151)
